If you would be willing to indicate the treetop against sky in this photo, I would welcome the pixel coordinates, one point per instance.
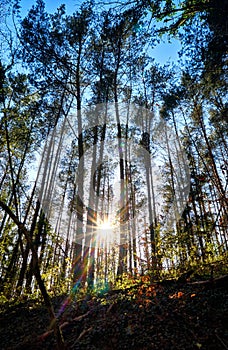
(163, 52)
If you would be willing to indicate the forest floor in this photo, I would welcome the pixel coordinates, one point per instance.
(146, 316)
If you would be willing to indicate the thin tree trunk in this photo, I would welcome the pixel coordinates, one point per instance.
(21, 226)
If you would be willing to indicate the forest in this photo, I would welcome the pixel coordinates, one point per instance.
(113, 176)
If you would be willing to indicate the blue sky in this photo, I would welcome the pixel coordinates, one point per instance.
(162, 53)
(51, 6)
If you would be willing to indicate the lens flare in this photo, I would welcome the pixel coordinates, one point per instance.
(105, 225)
(105, 230)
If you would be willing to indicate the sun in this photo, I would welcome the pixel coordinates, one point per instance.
(105, 230)
(105, 225)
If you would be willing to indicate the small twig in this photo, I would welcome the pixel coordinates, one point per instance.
(83, 333)
(63, 325)
(79, 318)
(110, 308)
(221, 341)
